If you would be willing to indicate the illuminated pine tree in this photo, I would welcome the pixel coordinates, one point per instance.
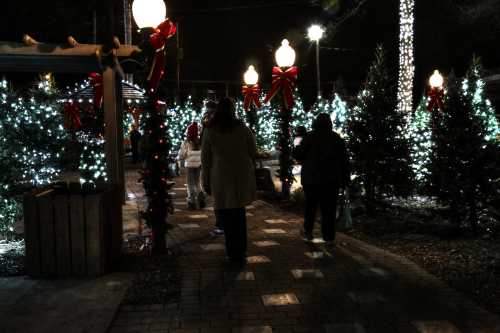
(420, 134)
(300, 117)
(267, 136)
(172, 114)
(184, 115)
(339, 113)
(240, 111)
(465, 160)
(36, 134)
(379, 150)
(320, 106)
(10, 200)
(473, 88)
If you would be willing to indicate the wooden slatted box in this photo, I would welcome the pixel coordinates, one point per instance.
(72, 231)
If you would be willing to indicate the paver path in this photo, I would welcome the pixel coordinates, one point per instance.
(290, 286)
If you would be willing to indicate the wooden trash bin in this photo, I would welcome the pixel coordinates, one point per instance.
(72, 231)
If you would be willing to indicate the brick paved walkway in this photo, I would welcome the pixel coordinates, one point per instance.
(291, 286)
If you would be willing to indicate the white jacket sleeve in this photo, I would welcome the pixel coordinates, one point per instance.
(183, 151)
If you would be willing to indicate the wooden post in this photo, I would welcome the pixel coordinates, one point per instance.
(111, 126)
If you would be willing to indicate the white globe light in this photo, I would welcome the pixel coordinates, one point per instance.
(149, 13)
(315, 32)
(436, 80)
(285, 55)
(251, 77)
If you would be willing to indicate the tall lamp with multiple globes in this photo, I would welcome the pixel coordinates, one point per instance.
(155, 29)
(251, 92)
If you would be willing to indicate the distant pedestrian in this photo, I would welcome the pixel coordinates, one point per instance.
(228, 162)
(135, 138)
(300, 133)
(325, 169)
(190, 153)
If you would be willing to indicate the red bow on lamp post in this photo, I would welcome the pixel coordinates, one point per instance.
(251, 96)
(96, 83)
(285, 82)
(436, 96)
(71, 113)
(158, 40)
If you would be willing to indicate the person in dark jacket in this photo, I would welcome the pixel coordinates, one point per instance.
(325, 170)
(211, 107)
(228, 167)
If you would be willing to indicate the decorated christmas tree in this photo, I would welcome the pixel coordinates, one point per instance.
(379, 151)
(420, 135)
(339, 113)
(464, 159)
(240, 111)
(267, 136)
(473, 88)
(91, 138)
(36, 135)
(10, 201)
(320, 106)
(184, 115)
(300, 117)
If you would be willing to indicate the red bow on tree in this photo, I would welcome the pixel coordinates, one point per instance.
(436, 96)
(284, 81)
(71, 113)
(158, 40)
(251, 96)
(96, 82)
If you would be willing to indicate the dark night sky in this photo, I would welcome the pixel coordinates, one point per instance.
(220, 38)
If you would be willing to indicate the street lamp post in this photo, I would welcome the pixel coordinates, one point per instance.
(436, 91)
(284, 79)
(315, 33)
(156, 29)
(251, 92)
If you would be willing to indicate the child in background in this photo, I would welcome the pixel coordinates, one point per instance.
(190, 153)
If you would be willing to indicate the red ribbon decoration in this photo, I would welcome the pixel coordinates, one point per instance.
(71, 114)
(158, 40)
(436, 95)
(251, 96)
(96, 82)
(284, 81)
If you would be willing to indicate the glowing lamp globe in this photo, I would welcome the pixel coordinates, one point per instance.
(149, 13)
(251, 77)
(315, 32)
(436, 80)
(285, 55)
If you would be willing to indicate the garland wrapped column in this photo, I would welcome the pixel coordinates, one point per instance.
(251, 102)
(157, 146)
(284, 82)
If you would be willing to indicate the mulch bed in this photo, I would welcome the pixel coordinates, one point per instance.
(468, 263)
(156, 278)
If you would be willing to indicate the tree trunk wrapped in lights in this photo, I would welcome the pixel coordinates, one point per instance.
(406, 58)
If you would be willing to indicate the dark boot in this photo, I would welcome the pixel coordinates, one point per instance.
(201, 200)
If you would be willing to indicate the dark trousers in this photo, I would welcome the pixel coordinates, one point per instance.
(135, 153)
(235, 231)
(218, 222)
(324, 196)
